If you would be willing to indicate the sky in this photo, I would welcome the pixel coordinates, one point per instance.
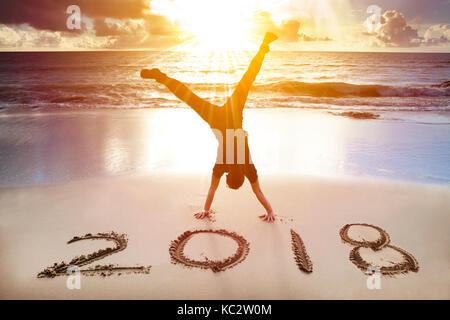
(331, 25)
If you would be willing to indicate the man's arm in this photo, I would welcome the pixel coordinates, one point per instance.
(269, 217)
(209, 198)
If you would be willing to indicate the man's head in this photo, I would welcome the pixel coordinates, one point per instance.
(235, 178)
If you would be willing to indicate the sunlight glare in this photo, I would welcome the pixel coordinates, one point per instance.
(215, 24)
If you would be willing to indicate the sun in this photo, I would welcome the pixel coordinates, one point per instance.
(214, 25)
(220, 29)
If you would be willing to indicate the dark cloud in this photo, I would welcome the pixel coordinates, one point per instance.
(159, 26)
(44, 14)
(118, 9)
(128, 23)
(51, 14)
(105, 28)
(130, 33)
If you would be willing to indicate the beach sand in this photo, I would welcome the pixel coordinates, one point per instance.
(154, 207)
(37, 222)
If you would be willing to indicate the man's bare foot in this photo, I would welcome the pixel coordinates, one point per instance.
(202, 214)
(154, 73)
(269, 38)
(269, 217)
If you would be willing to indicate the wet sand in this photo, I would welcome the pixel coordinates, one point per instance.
(49, 147)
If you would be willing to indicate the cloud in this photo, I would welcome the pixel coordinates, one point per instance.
(117, 23)
(394, 31)
(44, 14)
(437, 34)
(51, 14)
(287, 30)
(124, 24)
(117, 9)
(153, 31)
(121, 34)
(24, 37)
(110, 27)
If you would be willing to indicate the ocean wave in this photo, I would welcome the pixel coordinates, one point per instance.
(68, 99)
(342, 89)
(445, 84)
(336, 89)
(291, 94)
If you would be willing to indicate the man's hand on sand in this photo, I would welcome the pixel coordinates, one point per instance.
(269, 217)
(154, 73)
(202, 214)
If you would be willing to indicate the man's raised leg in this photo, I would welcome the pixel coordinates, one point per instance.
(239, 96)
(182, 92)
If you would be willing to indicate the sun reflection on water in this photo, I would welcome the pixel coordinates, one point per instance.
(178, 141)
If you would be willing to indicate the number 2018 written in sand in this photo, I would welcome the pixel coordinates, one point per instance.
(406, 263)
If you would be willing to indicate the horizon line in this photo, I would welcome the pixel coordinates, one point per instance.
(159, 50)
